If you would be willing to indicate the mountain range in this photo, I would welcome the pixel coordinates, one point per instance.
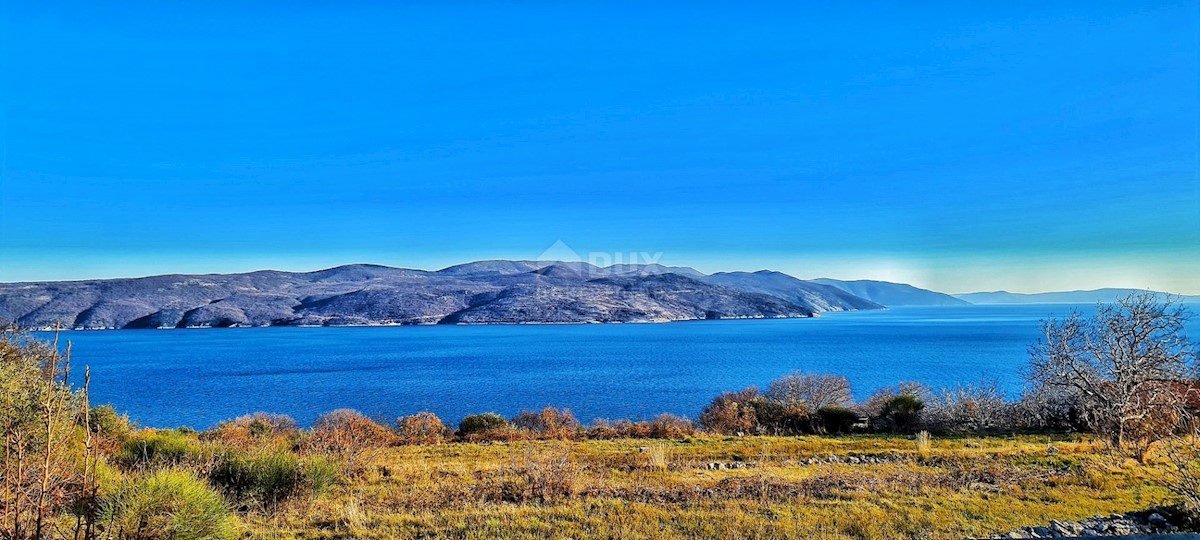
(482, 292)
(1064, 297)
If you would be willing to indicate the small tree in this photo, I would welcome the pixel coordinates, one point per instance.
(1121, 365)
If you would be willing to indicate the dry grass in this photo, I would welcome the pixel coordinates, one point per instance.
(766, 487)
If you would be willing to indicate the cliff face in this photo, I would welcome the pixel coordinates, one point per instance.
(475, 293)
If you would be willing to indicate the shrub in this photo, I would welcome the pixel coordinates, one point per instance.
(603, 429)
(476, 425)
(663, 426)
(550, 423)
(542, 473)
(731, 413)
(776, 418)
(969, 408)
(353, 439)
(422, 428)
(254, 430)
(347, 431)
(669, 426)
(873, 406)
(105, 421)
(837, 419)
(167, 505)
(814, 391)
(1044, 409)
(159, 448)
(271, 477)
(901, 413)
(38, 412)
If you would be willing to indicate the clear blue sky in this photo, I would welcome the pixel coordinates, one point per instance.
(958, 145)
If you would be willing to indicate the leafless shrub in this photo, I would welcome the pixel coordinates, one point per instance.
(664, 426)
(549, 423)
(969, 409)
(731, 413)
(537, 473)
(350, 437)
(1182, 451)
(669, 426)
(815, 391)
(1049, 409)
(253, 430)
(422, 428)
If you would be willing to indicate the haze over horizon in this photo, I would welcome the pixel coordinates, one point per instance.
(958, 148)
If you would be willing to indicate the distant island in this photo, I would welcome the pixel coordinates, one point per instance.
(483, 292)
(1062, 297)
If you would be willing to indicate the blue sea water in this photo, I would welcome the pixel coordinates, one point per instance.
(167, 378)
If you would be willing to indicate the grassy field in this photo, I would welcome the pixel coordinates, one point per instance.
(720, 487)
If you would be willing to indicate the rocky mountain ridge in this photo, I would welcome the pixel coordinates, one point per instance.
(482, 292)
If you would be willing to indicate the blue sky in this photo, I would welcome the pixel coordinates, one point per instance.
(957, 146)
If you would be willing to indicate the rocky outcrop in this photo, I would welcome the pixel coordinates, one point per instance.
(1148, 522)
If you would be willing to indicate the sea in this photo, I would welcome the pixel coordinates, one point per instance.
(199, 377)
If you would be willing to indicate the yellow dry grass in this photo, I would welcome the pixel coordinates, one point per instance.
(760, 488)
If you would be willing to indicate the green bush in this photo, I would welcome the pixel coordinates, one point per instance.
(901, 413)
(481, 423)
(159, 448)
(271, 477)
(169, 504)
(105, 421)
(837, 419)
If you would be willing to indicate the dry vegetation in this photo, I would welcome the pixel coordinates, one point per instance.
(723, 487)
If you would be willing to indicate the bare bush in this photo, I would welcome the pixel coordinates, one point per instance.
(969, 409)
(663, 426)
(1182, 451)
(350, 437)
(814, 391)
(538, 472)
(1049, 409)
(253, 430)
(549, 423)
(731, 413)
(422, 428)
